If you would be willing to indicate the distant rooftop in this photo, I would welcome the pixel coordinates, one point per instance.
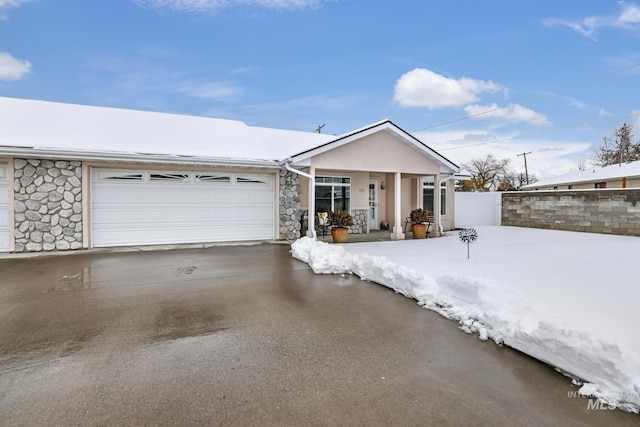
(593, 174)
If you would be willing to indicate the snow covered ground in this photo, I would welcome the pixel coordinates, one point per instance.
(568, 299)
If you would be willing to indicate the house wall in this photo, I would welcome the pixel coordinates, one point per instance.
(290, 215)
(597, 211)
(50, 202)
(47, 205)
(448, 220)
(409, 196)
(380, 152)
(359, 196)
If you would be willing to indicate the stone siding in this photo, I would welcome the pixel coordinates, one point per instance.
(289, 193)
(595, 211)
(47, 205)
(359, 221)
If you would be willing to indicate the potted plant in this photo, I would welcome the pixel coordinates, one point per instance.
(418, 219)
(340, 222)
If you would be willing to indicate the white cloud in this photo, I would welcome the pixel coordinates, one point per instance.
(630, 15)
(604, 113)
(636, 116)
(424, 88)
(6, 4)
(11, 68)
(511, 113)
(548, 157)
(212, 6)
(628, 18)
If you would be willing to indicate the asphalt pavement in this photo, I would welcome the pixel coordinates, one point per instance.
(246, 335)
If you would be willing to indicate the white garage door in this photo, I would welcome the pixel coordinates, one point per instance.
(132, 207)
(4, 208)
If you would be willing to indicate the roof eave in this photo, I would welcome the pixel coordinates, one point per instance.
(368, 130)
(146, 158)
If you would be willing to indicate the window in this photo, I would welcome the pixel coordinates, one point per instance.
(255, 179)
(180, 177)
(333, 193)
(118, 175)
(427, 196)
(202, 177)
(600, 185)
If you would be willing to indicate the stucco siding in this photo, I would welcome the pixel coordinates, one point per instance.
(379, 152)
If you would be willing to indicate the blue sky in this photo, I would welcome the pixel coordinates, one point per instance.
(548, 77)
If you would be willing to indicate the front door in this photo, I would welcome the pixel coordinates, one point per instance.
(373, 205)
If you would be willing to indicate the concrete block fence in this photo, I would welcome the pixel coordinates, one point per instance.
(595, 211)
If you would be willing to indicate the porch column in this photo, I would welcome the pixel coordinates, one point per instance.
(311, 216)
(398, 223)
(436, 206)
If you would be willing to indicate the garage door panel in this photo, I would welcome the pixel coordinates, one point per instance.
(252, 198)
(4, 208)
(192, 210)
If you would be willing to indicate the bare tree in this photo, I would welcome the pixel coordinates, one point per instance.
(488, 174)
(617, 147)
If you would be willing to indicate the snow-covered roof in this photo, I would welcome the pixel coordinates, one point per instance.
(592, 174)
(87, 132)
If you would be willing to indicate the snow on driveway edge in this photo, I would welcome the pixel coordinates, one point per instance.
(502, 316)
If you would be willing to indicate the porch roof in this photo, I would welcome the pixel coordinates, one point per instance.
(303, 158)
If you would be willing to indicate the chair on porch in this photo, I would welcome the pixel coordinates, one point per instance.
(430, 221)
(323, 222)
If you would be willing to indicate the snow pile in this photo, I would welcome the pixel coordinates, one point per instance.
(568, 299)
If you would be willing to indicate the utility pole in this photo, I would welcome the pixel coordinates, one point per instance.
(526, 170)
(319, 130)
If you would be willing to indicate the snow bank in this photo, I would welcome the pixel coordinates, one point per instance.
(553, 307)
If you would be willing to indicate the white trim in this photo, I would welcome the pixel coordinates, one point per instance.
(375, 128)
(311, 229)
(136, 158)
(398, 223)
(376, 196)
(5, 221)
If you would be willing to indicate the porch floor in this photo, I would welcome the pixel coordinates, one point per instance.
(373, 236)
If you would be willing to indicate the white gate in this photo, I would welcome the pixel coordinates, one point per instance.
(4, 208)
(478, 208)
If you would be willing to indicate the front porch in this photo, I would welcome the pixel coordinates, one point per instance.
(372, 236)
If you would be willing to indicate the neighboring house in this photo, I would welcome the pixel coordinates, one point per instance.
(74, 177)
(625, 175)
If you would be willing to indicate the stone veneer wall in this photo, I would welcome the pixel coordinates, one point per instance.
(359, 221)
(596, 211)
(47, 205)
(289, 194)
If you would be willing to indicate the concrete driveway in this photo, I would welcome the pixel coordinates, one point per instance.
(246, 335)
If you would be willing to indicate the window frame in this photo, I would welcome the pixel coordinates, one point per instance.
(429, 185)
(341, 182)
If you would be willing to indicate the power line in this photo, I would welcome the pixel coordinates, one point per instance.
(479, 143)
(548, 93)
